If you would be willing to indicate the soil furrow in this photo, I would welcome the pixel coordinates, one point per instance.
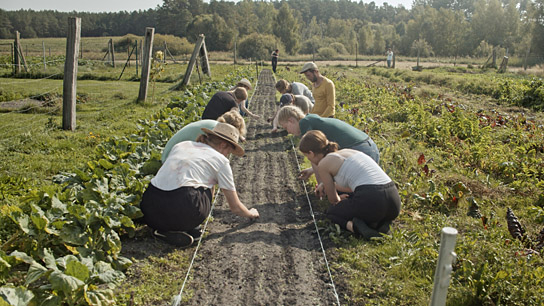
(275, 260)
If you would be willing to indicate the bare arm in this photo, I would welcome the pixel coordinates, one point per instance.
(237, 207)
(328, 184)
(275, 122)
(245, 110)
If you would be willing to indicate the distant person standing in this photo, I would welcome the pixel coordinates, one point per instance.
(275, 55)
(323, 91)
(389, 57)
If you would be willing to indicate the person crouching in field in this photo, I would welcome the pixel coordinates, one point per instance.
(223, 101)
(294, 88)
(299, 101)
(348, 137)
(370, 201)
(178, 199)
(192, 130)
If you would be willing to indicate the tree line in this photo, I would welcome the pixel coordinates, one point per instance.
(320, 27)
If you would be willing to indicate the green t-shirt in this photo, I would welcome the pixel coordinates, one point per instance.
(336, 130)
(188, 133)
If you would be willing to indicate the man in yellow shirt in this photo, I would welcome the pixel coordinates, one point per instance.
(323, 91)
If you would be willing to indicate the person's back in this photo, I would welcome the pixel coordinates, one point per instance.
(336, 130)
(220, 103)
(303, 103)
(301, 89)
(188, 132)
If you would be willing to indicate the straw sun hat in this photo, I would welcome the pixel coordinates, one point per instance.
(245, 82)
(228, 133)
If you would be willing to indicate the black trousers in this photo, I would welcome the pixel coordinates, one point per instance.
(181, 209)
(374, 204)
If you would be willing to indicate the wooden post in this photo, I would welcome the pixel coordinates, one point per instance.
(525, 60)
(494, 63)
(44, 64)
(356, 53)
(16, 52)
(192, 61)
(70, 74)
(146, 66)
(165, 50)
(234, 52)
(112, 52)
(204, 64)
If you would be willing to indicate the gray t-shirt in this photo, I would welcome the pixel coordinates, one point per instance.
(301, 89)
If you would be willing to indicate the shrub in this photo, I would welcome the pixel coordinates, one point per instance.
(326, 53)
(258, 46)
(339, 48)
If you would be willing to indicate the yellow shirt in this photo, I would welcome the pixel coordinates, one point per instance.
(325, 98)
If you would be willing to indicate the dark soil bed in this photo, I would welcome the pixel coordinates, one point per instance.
(275, 260)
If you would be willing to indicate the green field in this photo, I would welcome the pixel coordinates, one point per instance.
(462, 144)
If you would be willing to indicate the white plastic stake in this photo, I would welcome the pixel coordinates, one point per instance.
(446, 259)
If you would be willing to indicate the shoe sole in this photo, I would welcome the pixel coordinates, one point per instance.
(179, 239)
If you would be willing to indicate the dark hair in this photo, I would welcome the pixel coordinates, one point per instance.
(317, 142)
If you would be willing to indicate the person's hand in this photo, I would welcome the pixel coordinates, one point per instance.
(242, 139)
(256, 116)
(320, 190)
(344, 196)
(253, 213)
(305, 174)
(274, 130)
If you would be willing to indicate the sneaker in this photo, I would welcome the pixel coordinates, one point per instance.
(196, 233)
(179, 239)
(360, 227)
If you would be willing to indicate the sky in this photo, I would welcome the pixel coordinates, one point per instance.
(115, 5)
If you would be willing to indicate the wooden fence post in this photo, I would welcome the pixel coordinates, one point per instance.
(70, 74)
(112, 52)
(196, 51)
(204, 64)
(146, 63)
(16, 52)
(235, 52)
(356, 53)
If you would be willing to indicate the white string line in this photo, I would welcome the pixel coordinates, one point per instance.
(177, 298)
(316, 227)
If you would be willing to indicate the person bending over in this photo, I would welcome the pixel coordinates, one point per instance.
(299, 101)
(223, 101)
(192, 130)
(294, 88)
(178, 199)
(347, 136)
(370, 199)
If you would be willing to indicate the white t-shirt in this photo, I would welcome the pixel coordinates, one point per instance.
(359, 169)
(194, 164)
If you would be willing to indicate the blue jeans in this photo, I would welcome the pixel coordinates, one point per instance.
(369, 148)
